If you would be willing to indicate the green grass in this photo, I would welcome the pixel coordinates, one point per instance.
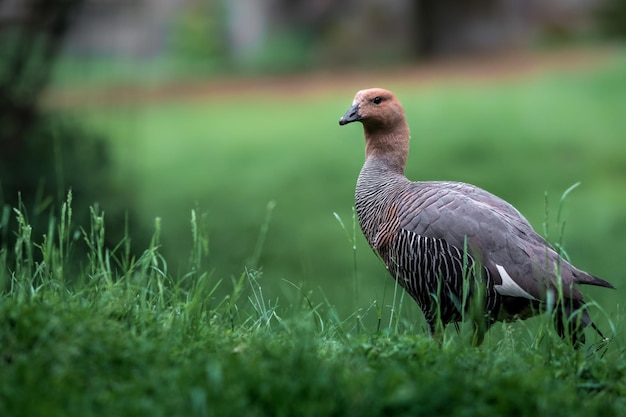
(232, 155)
(101, 72)
(127, 337)
(252, 299)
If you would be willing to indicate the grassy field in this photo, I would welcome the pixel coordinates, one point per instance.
(232, 156)
(125, 338)
(252, 299)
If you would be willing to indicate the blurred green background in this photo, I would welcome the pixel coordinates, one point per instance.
(155, 108)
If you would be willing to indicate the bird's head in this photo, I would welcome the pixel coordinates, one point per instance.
(376, 109)
(384, 123)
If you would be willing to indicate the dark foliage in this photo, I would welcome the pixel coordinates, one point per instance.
(612, 18)
(42, 154)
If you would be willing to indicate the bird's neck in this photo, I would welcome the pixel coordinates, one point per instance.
(388, 149)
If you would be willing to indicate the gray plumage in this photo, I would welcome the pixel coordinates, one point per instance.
(452, 245)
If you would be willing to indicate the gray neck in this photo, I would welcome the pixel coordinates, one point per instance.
(378, 185)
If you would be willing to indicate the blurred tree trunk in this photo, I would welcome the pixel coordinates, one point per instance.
(424, 28)
(31, 33)
(449, 27)
(44, 154)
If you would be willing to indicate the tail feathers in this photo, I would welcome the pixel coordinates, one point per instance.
(581, 277)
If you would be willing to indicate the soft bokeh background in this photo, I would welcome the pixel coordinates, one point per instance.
(154, 108)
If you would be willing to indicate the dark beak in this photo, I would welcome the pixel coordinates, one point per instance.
(352, 115)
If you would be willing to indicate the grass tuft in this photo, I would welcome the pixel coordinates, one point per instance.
(125, 336)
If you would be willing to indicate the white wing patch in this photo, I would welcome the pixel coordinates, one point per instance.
(510, 287)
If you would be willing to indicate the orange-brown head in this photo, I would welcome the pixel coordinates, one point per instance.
(384, 122)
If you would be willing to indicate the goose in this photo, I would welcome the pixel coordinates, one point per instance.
(458, 250)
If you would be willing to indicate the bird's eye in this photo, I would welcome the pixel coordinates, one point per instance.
(377, 100)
